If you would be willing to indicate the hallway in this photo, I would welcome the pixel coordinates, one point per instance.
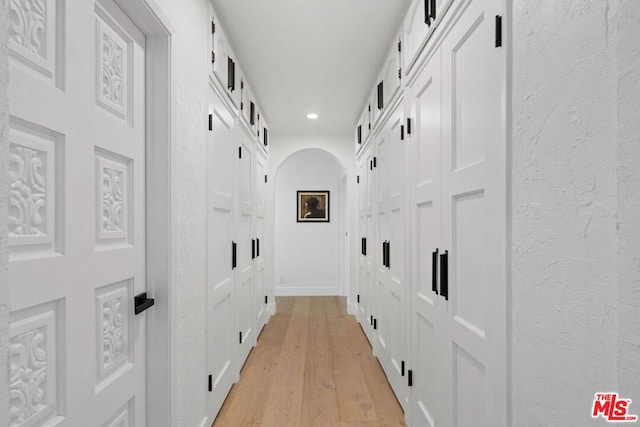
(312, 366)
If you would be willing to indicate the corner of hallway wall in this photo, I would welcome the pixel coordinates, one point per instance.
(4, 191)
(340, 146)
(563, 210)
(628, 93)
(190, 19)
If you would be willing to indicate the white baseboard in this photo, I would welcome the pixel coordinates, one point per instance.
(271, 308)
(306, 291)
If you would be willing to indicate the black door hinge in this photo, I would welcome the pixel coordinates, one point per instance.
(400, 73)
(265, 178)
(213, 57)
(210, 382)
(210, 121)
(399, 45)
(358, 179)
(242, 105)
(371, 320)
(240, 337)
(402, 368)
(213, 27)
(240, 152)
(498, 30)
(410, 379)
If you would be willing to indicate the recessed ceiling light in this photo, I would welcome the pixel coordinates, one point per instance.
(312, 116)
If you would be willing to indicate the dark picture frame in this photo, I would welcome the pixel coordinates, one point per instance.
(313, 206)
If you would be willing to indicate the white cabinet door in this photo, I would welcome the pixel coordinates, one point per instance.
(416, 30)
(261, 300)
(473, 212)
(221, 153)
(424, 108)
(76, 215)
(392, 317)
(368, 297)
(225, 67)
(246, 237)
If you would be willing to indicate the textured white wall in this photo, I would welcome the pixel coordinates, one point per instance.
(4, 188)
(628, 93)
(191, 20)
(307, 256)
(575, 201)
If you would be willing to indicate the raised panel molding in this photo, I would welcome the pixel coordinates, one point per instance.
(35, 171)
(113, 67)
(113, 309)
(123, 417)
(34, 347)
(114, 196)
(34, 40)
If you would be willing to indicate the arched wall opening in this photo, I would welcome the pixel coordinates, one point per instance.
(310, 258)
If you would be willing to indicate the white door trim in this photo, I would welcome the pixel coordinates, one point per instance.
(161, 228)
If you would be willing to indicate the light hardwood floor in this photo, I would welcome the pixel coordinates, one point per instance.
(312, 366)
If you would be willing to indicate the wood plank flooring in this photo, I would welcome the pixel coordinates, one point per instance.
(312, 367)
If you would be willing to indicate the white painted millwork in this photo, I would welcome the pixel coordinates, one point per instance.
(77, 218)
(453, 163)
(260, 189)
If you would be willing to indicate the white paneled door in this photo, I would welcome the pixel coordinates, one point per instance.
(76, 215)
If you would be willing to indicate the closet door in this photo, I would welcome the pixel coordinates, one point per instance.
(221, 149)
(392, 325)
(362, 233)
(245, 283)
(424, 100)
(473, 220)
(368, 296)
(259, 260)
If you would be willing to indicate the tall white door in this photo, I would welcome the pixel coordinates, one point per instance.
(260, 295)
(76, 215)
(424, 100)
(245, 234)
(473, 226)
(221, 152)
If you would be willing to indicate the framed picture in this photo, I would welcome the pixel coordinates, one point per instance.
(313, 206)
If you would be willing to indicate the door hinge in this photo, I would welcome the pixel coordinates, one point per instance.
(241, 84)
(242, 105)
(213, 27)
(210, 121)
(265, 178)
(399, 45)
(213, 57)
(498, 30)
(369, 107)
(210, 382)
(402, 368)
(266, 299)
(371, 320)
(240, 152)
(400, 73)
(410, 378)
(358, 179)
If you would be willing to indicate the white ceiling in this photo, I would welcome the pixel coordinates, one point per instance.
(303, 56)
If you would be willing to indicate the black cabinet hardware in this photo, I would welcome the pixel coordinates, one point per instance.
(427, 6)
(399, 45)
(401, 132)
(402, 368)
(358, 298)
(265, 178)
(240, 337)
(375, 162)
(231, 74)
(371, 320)
(210, 121)
(434, 271)
(210, 382)
(266, 299)
(240, 152)
(381, 95)
(213, 27)
(357, 179)
(498, 30)
(253, 248)
(213, 57)
(360, 134)
(410, 378)
(432, 10)
(141, 302)
(444, 275)
(408, 126)
(242, 106)
(257, 247)
(389, 254)
(265, 137)
(370, 164)
(252, 113)
(234, 255)
(375, 324)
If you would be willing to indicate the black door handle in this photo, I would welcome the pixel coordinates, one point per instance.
(444, 275)
(434, 271)
(141, 302)
(365, 246)
(388, 254)
(234, 255)
(257, 247)
(253, 248)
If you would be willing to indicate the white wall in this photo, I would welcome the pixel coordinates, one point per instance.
(340, 146)
(191, 20)
(4, 190)
(308, 255)
(575, 204)
(628, 153)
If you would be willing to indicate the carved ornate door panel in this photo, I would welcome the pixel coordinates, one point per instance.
(76, 215)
